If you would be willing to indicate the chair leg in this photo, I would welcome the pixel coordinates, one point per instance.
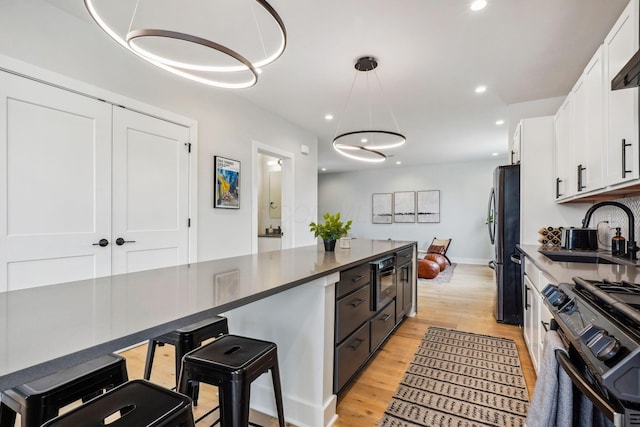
(277, 390)
(151, 350)
(234, 404)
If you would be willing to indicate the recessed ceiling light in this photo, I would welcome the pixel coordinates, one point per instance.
(398, 162)
(364, 140)
(328, 117)
(481, 89)
(500, 122)
(478, 4)
(323, 169)
(494, 154)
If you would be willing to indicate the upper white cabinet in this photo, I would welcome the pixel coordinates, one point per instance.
(516, 146)
(596, 129)
(587, 125)
(562, 150)
(621, 159)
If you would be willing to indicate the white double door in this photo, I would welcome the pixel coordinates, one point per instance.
(78, 175)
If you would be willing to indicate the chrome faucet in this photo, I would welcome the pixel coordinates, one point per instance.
(631, 243)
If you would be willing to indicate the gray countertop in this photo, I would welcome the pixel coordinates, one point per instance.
(565, 271)
(52, 327)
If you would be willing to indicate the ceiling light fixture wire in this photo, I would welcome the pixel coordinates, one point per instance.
(186, 69)
(366, 148)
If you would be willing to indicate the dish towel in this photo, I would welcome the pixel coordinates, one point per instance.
(552, 403)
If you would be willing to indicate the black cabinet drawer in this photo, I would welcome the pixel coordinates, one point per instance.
(350, 355)
(351, 312)
(352, 279)
(382, 324)
(404, 256)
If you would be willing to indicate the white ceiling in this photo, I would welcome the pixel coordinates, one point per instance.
(432, 54)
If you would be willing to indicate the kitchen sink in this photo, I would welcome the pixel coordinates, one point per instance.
(589, 258)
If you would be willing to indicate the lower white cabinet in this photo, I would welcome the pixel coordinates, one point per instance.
(536, 315)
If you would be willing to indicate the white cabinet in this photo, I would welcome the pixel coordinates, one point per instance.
(536, 315)
(562, 150)
(596, 129)
(622, 158)
(515, 146)
(529, 320)
(268, 244)
(587, 126)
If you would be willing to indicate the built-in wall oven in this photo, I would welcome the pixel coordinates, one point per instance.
(599, 322)
(383, 282)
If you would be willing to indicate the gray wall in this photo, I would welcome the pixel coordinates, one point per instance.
(464, 191)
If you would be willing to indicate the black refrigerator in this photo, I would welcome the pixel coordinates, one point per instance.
(504, 231)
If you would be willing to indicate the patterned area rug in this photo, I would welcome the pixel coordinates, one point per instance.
(443, 277)
(460, 379)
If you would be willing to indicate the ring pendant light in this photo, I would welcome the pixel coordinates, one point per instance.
(367, 149)
(184, 69)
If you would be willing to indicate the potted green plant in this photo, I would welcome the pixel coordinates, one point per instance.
(332, 229)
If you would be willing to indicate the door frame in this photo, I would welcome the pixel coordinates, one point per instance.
(287, 195)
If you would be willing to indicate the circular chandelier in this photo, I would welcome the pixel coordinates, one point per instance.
(147, 43)
(367, 145)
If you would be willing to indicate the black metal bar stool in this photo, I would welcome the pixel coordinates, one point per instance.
(184, 340)
(232, 363)
(40, 400)
(136, 403)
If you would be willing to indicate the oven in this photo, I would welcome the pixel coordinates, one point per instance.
(383, 282)
(599, 323)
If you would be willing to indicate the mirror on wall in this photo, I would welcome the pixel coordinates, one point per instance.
(269, 193)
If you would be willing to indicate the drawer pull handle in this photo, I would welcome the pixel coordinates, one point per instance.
(386, 317)
(355, 279)
(356, 302)
(356, 343)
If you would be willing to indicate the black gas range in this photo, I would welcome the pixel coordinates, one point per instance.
(599, 321)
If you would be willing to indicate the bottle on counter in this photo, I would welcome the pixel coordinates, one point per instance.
(618, 243)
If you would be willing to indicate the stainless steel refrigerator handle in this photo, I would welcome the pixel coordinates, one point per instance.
(516, 258)
(491, 218)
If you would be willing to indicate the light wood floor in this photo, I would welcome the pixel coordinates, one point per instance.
(466, 304)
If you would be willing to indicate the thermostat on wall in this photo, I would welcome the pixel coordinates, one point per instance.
(304, 149)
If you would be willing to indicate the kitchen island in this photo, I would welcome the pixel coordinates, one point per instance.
(286, 296)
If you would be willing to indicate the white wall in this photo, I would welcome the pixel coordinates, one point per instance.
(464, 192)
(43, 35)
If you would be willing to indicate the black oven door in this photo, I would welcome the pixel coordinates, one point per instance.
(603, 405)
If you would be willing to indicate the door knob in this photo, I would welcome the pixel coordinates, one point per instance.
(102, 243)
(120, 241)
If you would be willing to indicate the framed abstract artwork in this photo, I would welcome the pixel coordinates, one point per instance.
(226, 183)
(429, 206)
(381, 208)
(404, 206)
